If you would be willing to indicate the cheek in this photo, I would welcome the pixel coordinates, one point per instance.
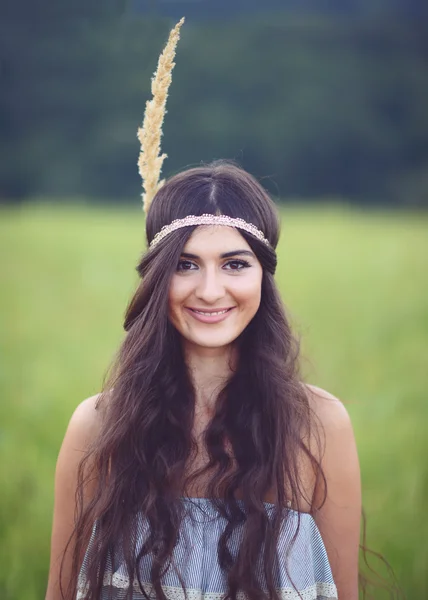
(178, 292)
(248, 294)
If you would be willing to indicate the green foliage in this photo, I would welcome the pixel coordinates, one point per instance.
(324, 105)
(355, 285)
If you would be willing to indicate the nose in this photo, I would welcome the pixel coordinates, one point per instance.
(210, 288)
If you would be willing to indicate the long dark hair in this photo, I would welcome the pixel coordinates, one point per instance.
(254, 440)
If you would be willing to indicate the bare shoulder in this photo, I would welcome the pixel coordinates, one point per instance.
(329, 411)
(85, 422)
(82, 430)
(333, 443)
(331, 439)
(337, 495)
(87, 412)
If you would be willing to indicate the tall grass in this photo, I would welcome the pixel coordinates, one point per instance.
(355, 284)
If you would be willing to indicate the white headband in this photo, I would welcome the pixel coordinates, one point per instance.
(224, 220)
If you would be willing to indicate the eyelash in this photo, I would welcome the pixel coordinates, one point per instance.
(243, 264)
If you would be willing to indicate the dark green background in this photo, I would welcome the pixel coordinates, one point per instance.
(319, 99)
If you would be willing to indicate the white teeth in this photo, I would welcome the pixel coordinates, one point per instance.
(210, 314)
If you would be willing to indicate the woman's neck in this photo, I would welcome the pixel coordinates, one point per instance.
(209, 368)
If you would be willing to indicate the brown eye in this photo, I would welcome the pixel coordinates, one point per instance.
(186, 265)
(237, 265)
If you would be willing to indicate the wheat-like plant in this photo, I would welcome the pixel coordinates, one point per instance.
(150, 160)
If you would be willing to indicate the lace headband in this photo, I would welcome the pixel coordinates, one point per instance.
(224, 220)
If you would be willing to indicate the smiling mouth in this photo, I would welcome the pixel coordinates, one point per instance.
(211, 313)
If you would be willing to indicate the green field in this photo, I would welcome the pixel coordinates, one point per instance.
(355, 284)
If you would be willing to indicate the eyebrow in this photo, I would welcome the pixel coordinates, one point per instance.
(224, 255)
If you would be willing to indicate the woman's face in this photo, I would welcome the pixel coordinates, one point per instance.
(216, 289)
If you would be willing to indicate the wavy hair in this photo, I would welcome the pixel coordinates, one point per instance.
(262, 415)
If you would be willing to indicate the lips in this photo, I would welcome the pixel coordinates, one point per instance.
(210, 316)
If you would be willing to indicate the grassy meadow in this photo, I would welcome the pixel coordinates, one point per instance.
(355, 284)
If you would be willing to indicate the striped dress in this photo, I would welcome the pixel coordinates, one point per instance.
(303, 571)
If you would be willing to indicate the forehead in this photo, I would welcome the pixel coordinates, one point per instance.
(215, 239)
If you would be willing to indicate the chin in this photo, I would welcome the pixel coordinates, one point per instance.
(212, 341)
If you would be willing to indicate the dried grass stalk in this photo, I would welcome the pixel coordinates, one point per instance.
(150, 160)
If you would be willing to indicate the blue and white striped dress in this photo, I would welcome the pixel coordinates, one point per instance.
(303, 571)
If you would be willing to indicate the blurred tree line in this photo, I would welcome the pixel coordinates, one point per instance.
(317, 103)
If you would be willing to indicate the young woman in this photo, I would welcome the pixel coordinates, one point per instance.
(209, 469)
